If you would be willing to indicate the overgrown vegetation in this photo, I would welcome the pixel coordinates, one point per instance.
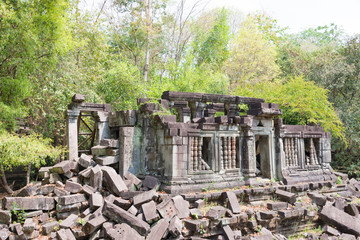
(115, 54)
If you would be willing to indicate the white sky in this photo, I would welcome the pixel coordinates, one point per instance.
(299, 15)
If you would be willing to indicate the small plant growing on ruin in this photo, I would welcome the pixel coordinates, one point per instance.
(339, 180)
(81, 221)
(17, 214)
(258, 228)
(196, 216)
(202, 230)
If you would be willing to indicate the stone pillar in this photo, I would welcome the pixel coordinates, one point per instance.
(103, 130)
(126, 136)
(249, 164)
(72, 133)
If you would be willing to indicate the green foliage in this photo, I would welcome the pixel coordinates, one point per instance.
(302, 102)
(21, 151)
(17, 214)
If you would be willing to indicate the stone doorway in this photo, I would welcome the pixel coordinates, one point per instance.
(263, 156)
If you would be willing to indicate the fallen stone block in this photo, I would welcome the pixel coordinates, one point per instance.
(199, 203)
(34, 203)
(29, 190)
(228, 232)
(133, 210)
(4, 234)
(50, 227)
(44, 217)
(158, 230)
(113, 181)
(69, 222)
(175, 227)
(144, 197)
(286, 196)
(104, 151)
(75, 207)
(167, 209)
(133, 179)
(85, 160)
(65, 234)
(122, 203)
(61, 167)
(44, 172)
(121, 216)
(110, 143)
(232, 201)
(60, 192)
(277, 205)
(93, 225)
(73, 187)
(196, 213)
(318, 199)
(216, 212)
(122, 231)
(343, 221)
(107, 160)
(151, 182)
(182, 206)
(5, 217)
(70, 199)
(33, 214)
(331, 231)
(88, 190)
(95, 201)
(29, 226)
(45, 190)
(78, 233)
(195, 226)
(149, 211)
(96, 178)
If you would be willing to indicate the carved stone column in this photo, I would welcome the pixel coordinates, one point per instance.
(103, 130)
(72, 133)
(249, 154)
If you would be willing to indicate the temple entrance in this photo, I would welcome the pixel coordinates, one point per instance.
(263, 156)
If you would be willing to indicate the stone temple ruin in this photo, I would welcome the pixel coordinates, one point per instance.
(192, 141)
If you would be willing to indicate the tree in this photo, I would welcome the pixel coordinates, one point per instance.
(252, 57)
(23, 151)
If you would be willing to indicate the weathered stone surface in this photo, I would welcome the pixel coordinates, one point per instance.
(158, 231)
(167, 209)
(4, 233)
(216, 212)
(46, 189)
(122, 231)
(60, 192)
(122, 203)
(343, 221)
(121, 216)
(175, 227)
(28, 226)
(33, 214)
(50, 227)
(199, 203)
(277, 205)
(44, 217)
(150, 182)
(104, 151)
(110, 143)
(134, 180)
(88, 190)
(61, 167)
(96, 178)
(73, 187)
(5, 217)
(95, 201)
(196, 213)
(286, 196)
(133, 210)
(352, 210)
(70, 199)
(65, 234)
(35, 203)
(331, 231)
(94, 224)
(107, 160)
(195, 225)
(74, 207)
(85, 160)
(318, 199)
(69, 222)
(182, 206)
(29, 190)
(149, 211)
(233, 203)
(144, 197)
(113, 181)
(228, 232)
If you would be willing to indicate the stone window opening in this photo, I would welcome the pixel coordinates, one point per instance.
(311, 151)
(200, 149)
(228, 152)
(291, 152)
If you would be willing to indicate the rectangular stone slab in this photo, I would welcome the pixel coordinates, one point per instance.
(30, 203)
(343, 221)
(121, 216)
(70, 199)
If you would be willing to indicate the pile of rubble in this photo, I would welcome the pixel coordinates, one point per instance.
(87, 199)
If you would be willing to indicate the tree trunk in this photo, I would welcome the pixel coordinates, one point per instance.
(28, 172)
(4, 183)
(148, 28)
